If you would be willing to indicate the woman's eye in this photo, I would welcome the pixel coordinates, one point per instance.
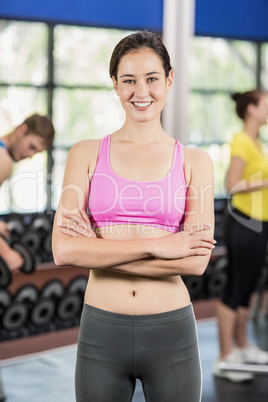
(152, 79)
(129, 82)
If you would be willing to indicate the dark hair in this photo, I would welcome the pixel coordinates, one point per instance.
(136, 41)
(244, 99)
(41, 126)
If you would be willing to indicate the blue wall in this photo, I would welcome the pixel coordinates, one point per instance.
(134, 14)
(242, 19)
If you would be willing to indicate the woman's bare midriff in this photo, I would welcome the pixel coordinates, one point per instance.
(131, 294)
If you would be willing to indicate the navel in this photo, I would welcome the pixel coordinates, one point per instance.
(133, 293)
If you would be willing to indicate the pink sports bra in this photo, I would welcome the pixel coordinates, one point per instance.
(114, 200)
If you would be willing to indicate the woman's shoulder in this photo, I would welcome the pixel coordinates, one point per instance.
(240, 137)
(80, 146)
(196, 156)
(197, 163)
(83, 153)
(242, 145)
(87, 148)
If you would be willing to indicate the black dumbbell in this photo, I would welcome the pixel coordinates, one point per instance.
(69, 307)
(32, 239)
(36, 232)
(15, 226)
(17, 313)
(53, 289)
(5, 274)
(41, 310)
(5, 300)
(216, 283)
(27, 294)
(216, 277)
(195, 286)
(28, 262)
(78, 285)
(27, 255)
(73, 306)
(15, 316)
(47, 244)
(68, 304)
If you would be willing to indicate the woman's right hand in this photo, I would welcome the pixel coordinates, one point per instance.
(184, 244)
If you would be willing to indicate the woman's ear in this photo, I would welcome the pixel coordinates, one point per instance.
(251, 108)
(115, 85)
(170, 80)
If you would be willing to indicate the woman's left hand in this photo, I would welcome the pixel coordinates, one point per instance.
(77, 225)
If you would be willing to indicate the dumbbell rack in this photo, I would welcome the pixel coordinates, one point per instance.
(43, 273)
(203, 293)
(47, 271)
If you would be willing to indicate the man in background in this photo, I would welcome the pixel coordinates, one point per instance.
(34, 134)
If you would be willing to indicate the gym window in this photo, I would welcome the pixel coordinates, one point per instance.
(63, 71)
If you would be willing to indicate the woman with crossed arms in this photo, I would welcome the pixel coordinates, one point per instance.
(150, 220)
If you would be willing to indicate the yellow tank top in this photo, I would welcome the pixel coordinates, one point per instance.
(255, 203)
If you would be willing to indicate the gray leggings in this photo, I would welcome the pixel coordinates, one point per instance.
(159, 349)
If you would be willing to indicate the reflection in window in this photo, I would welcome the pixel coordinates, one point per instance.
(25, 191)
(86, 107)
(17, 103)
(60, 156)
(23, 69)
(23, 52)
(217, 68)
(264, 73)
(222, 64)
(82, 55)
(84, 114)
(211, 117)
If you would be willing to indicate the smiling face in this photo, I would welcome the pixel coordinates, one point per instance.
(142, 85)
(26, 146)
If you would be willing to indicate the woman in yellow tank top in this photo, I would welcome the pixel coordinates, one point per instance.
(246, 235)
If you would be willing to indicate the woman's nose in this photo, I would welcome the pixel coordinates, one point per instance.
(141, 90)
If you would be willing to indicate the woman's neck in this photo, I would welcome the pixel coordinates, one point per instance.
(252, 129)
(142, 132)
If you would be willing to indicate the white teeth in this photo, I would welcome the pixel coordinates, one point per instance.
(142, 104)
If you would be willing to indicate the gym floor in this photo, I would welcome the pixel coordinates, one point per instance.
(48, 375)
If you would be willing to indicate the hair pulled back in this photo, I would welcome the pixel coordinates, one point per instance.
(136, 41)
(244, 99)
